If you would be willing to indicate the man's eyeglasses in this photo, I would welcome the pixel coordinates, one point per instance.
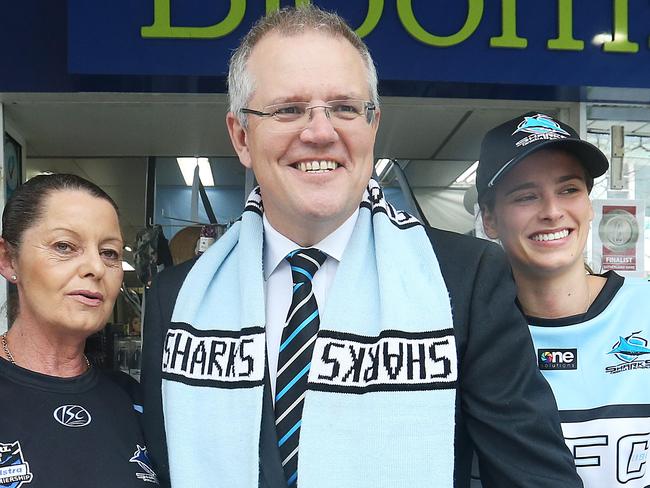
(295, 116)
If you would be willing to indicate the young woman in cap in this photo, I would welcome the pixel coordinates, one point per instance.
(590, 331)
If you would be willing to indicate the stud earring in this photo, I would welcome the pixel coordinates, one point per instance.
(14, 277)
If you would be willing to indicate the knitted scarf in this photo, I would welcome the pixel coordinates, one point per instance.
(379, 410)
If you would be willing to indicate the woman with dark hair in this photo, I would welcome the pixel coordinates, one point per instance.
(590, 331)
(63, 422)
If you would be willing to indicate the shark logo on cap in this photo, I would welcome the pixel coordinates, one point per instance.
(540, 124)
(539, 127)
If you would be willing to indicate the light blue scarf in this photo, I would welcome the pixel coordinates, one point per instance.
(379, 411)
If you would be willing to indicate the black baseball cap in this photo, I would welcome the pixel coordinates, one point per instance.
(507, 144)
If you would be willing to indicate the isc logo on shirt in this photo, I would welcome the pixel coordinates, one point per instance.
(553, 359)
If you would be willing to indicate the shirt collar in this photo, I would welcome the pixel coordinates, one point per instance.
(277, 246)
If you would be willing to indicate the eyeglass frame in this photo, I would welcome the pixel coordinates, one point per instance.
(368, 106)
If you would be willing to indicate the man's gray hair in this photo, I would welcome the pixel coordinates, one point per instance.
(290, 21)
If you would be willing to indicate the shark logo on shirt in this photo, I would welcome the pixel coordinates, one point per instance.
(141, 458)
(629, 348)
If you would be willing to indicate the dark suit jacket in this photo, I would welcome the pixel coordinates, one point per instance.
(504, 408)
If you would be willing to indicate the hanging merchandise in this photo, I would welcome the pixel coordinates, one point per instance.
(209, 235)
(151, 253)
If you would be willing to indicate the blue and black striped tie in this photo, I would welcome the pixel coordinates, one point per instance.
(296, 348)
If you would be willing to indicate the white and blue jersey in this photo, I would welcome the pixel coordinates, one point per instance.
(598, 366)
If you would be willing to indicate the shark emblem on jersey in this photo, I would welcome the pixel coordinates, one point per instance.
(141, 458)
(629, 348)
(14, 471)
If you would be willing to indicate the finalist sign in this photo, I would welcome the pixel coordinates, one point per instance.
(618, 236)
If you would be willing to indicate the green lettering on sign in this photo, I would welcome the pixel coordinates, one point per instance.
(620, 44)
(508, 37)
(375, 10)
(406, 16)
(162, 28)
(272, 6)
(565, 40)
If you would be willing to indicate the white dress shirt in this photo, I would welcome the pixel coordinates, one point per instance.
(278, 283)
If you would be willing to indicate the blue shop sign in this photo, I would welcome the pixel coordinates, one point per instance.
(553, 42)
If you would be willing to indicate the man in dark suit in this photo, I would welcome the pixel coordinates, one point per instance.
(418, 354)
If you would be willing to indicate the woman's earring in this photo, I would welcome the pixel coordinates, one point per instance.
(14, 277)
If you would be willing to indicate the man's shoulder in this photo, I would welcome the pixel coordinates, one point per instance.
(466, 262)
(173, 277)
(452, 247)
(164, 291)
(439, 237)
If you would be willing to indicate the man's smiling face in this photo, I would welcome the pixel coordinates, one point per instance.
(312, 179)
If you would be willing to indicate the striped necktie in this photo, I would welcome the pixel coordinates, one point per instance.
(298, 336)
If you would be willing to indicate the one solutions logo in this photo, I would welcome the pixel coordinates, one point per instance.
(552, 359)
(628, 350)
